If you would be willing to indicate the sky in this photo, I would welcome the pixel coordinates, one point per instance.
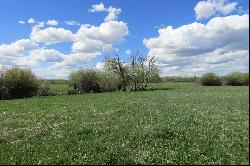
(188, 38)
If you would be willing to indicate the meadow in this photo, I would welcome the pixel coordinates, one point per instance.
(171, 123)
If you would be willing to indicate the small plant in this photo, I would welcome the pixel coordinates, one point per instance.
(210, 79)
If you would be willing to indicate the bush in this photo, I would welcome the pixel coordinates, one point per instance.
(84, 81)
(3, 90)
(20, 83)
(237, 79)
(90, 80)
(108, 82)
(245, 78)
(210, 79)
(44, 88)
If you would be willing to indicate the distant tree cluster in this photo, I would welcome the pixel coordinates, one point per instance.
(232, 79)
(20, 83)
(135, 74)
(179, 79)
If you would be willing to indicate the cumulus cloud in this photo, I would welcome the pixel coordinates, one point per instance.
(45, 55)
(14, 53)
(32, 21)
(112, 12)
(21, 22)
(26, 52)
(206, 9)
(88, 42)
(17, 48)
(197, 47)
(51, 35)
(52, 22)
(75, 60)
(91, 39)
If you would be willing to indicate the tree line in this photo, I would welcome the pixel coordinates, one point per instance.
(133, 74)
(231, 79)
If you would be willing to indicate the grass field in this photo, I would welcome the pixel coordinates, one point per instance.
(59, 88)
(173, 123)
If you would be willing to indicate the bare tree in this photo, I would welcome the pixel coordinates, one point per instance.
(138, 72)
(133, 63)
(118, 67)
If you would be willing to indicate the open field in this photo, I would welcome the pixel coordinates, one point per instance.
(59, 88)
(173, 123)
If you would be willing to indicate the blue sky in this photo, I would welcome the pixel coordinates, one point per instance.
(181, 50)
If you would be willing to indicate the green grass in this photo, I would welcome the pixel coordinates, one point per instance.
(59, 88)
(186, 124)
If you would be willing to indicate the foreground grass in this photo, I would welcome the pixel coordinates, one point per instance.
(183, 124)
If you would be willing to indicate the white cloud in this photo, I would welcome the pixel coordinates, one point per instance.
(16, 48)
(32, 21)
(88, 42)
(98, 8)
(206, 9)
(45, 55)
(99, 65)
(91, 46)
(14, 53)
(51, 35)
(196, 47)
(26, 52)
(91, 39)
(38, 25)
(75, 60)
(52, 22)
(112, 12)
(49, 73)
(72, 23)
(128, 52)
(21, 22)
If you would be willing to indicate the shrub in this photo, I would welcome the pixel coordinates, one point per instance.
(3, 90)
(245, 78)
(108, 81)
(90, 80)
(44, 88)
(20, 83)
(210, 79)
(84, 81)
(237, 79)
